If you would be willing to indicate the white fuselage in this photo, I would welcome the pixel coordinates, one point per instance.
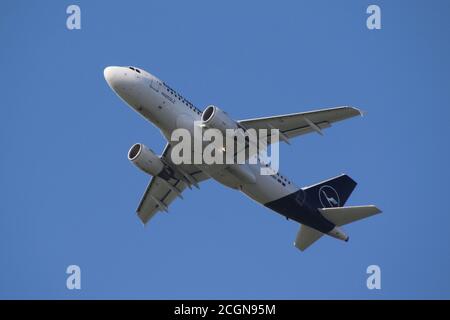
(167, 110)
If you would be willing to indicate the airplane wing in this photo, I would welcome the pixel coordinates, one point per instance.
(160, 193)
(295, 124)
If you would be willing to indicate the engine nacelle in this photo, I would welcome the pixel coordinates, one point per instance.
(145, 159)
(213, 117)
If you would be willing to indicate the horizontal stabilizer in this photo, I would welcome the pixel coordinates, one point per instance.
(340, 216)
(344, 215)
(306, 236)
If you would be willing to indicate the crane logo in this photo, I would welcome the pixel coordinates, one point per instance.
(328, 197)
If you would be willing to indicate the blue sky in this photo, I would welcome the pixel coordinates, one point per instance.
(69, 192)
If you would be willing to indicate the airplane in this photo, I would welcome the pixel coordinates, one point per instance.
(319, 208)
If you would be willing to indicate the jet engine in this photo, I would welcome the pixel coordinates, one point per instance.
(213, 117)
(145, 159)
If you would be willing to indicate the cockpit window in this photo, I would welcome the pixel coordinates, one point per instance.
(135, 69)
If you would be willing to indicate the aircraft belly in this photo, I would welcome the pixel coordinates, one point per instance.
(294, 207)
(226, 179)
(266, 189)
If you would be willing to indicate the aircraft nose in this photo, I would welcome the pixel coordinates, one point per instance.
(110, 74)
(123, 82)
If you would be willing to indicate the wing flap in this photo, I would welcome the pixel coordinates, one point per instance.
(157, 197)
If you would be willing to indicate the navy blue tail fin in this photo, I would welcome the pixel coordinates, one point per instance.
(330, 193)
